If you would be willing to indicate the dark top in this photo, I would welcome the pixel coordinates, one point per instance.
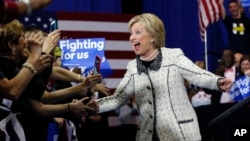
(35, 88)
(238, 34)
(1, 75)
(93, 131)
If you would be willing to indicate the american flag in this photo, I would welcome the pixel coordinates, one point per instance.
(209, 11)
(113, 27)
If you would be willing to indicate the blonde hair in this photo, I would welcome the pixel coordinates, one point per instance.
(153, 25)
(13, 31)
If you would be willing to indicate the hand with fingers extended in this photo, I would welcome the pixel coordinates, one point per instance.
(100, 88)
(91, 80)
(45, 61)
(51, 41)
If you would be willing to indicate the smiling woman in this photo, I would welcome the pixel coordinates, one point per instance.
(155, 77)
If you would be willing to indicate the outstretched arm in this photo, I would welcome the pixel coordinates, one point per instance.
(77, 107)
(13, 88)
(11, 10)
(224, 84)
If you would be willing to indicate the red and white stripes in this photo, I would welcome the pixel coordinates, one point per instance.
(113, 27)
(209, 11)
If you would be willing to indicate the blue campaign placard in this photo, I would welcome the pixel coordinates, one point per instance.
(81, 53)
(240, 89)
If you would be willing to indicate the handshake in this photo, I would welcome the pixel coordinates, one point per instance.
(83, 107)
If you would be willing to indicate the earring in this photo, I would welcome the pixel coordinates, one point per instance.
(151, 41)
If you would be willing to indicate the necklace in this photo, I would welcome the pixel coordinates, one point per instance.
(151, 57)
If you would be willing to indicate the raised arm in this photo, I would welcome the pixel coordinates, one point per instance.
(13, 9)
(241, 9)
(13, 88)
(77, 107)
(222, 8)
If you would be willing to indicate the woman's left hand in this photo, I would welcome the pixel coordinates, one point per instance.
(224, 84)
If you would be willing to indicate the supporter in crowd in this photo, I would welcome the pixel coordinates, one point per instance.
(155, 77)
(240, 89)
(89, 124)
(244, 65)
(227, 69)
(60, 81)
(94, 127)
(14, 50)
(11, 10)
(12, 88)
(238, 27)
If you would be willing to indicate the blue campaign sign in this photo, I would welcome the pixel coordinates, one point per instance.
(81, 53)
(240, 89)
(245, 3)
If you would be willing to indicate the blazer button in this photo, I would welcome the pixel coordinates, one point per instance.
(149, 102)
(148, 87)
(151, 116)
(150, 131)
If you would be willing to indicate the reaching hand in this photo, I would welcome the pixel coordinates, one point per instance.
(224, 84)
(94, 105)
(79, 108)
(51, 41)
(91, 80)
(45, 60)
(101, 88)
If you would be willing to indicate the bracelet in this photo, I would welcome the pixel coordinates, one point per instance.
(30, 67)
(69, 107)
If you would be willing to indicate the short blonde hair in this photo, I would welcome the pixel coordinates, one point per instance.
(153, 25)
(13, 31)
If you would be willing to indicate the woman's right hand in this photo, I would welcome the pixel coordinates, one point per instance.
(80, 107)
(93, 104)
(45, 61)
(51, 41)
(91, 80)
(35, 43)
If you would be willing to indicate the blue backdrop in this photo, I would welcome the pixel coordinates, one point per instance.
(180, 18)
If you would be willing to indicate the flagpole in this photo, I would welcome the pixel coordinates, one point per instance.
(205, 44)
